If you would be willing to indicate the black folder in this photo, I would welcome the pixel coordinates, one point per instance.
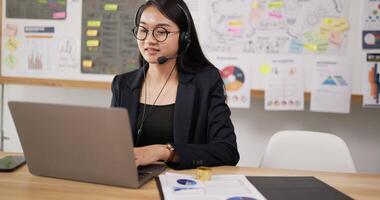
(295, 188)
(289, 188)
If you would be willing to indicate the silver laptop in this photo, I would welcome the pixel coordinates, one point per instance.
(80, 143)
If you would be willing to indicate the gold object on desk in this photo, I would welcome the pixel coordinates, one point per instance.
(203, 173)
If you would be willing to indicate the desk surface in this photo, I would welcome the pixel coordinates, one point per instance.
(21, 185)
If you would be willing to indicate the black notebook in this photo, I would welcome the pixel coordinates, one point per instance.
(289, 188)
(295, 188)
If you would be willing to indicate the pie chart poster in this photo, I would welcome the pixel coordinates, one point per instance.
(236, 77)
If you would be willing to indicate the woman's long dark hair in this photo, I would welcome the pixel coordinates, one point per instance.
(193, 59)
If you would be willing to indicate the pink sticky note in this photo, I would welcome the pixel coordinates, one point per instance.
(336, 39)
(234, 30)
(59, 15)
(275, 15)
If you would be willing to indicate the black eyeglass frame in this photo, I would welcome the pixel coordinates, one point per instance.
(147, 31)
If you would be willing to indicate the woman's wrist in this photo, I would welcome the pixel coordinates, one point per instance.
(171, 150)
(164, 152)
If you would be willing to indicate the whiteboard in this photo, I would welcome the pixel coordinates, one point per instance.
(49, 39)
(265, 31)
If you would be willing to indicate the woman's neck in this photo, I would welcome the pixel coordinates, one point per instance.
(160, 72)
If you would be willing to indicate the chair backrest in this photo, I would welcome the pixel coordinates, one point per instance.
(306, 150)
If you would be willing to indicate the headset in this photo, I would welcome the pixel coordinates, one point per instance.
(184, 37)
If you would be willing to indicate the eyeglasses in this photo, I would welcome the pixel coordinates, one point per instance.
(159, 33)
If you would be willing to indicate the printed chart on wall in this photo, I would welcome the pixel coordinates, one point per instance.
(284, 86)
(236, 78)
(36, 40)
(371, 93)
(371, 24)
(331, 87)
(42, 39)
(316, 27)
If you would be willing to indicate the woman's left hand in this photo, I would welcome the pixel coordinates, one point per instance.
(150, 154)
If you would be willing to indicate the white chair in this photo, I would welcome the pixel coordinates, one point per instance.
(306, 150)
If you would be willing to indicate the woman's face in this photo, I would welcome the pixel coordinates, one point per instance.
(151, 48)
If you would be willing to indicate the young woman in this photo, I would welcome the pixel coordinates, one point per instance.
(176, 99)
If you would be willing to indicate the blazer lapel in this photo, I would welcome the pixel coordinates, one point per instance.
(133, 109)
(133, 96)
(183, 107)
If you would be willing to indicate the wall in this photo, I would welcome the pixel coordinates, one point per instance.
(254, 126)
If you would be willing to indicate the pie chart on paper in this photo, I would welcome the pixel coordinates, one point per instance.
(233, 77)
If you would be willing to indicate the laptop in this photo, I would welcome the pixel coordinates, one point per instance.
(89, 144)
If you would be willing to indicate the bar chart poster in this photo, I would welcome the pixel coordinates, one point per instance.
(371, 93)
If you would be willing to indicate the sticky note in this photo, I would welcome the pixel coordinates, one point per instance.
(325, 29)
(311, 47)
(94, 23)
(111, 7)
(93, 43)
(255, 5)
(341, 25)
(322, 47)
(336, 39)
(265, 69)
(59, 15)
(235, 23)
(92, 33)
(328, 21)
(334, 25)
(275, 15)
(234, 30)
(296, 46)
(12, 44)
(87, 63)
(276, 4)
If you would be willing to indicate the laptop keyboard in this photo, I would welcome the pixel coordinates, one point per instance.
(150, 170)
(143, 174)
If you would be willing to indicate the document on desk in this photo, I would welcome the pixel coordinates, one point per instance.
(220, 187)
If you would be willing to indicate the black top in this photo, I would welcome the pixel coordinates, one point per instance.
(203, 133)
(158, 124)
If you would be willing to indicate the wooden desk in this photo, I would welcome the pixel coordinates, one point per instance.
(21, 185)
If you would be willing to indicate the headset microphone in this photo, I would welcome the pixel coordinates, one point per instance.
(163, 59)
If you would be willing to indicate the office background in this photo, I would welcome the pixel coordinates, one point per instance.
(254, 126)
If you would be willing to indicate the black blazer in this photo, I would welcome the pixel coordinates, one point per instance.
(203, 132)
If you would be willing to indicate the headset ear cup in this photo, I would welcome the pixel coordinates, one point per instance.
(184, 41)
(187, 41)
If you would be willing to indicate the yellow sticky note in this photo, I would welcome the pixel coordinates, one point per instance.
(111, 7)
(93, 43)
(87, 63)
(265, 69)
(92, 33)
(276, 4)
(328, 21)
(311, 47)
(235, 23)
(255, 5)
(12, 44)
(325, 29)
(341, 25)
(94, 23)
